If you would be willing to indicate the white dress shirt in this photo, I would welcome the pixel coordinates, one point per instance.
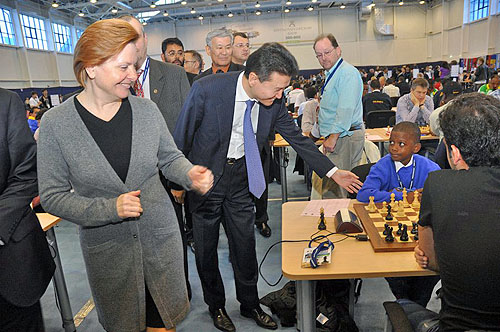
(145, 86)
(398, 165)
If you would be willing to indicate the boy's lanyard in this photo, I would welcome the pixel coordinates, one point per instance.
(401, 186)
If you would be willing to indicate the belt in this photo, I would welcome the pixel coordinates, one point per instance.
(232, 161)
(357, 127)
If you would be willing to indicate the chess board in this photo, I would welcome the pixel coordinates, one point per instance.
(373, 223)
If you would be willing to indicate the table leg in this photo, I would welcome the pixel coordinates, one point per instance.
(60, 286)
(352, 290)
(381, 148)
(283, 154)
(306, 305)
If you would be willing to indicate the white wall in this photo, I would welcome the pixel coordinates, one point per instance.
(420, 34)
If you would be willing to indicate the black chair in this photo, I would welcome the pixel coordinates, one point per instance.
(397, 319)
(378, 119)
(362, 172)
(394, 101)
(392, 121)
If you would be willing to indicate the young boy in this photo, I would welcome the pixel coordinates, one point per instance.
(402, 168)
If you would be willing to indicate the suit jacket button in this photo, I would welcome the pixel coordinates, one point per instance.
(1, 242)
(135, 236)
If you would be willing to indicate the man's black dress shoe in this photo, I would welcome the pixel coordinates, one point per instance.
(260, 317)
(264, 229)
(222, 320)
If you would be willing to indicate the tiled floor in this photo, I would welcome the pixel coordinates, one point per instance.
(369, 313)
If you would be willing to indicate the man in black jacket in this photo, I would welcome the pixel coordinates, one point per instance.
(375, 100)
(25, 260)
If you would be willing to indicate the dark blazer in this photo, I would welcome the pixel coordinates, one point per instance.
(376, 101)
(168, 87)
(26, 265)
(232, 67)
(203, 130)
(191, 77)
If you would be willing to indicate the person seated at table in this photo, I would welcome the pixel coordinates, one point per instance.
(491, 86)
(401, 168)
(459, 233)
(415, 106)
(376, 100)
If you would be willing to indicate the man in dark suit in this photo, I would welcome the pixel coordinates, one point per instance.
(404, 88)
(25, 260)
(167, 85)
(217, 130)
(220, 49)
(376, 100)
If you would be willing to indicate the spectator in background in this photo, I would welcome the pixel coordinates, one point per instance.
(241, 48)
(38, 118)
(445, 70)
(32, 123)
(390, 89)
(193, 64)
(491, 86)
(404, 87)
(375, 100)
(310, 110)
(295, 97)
(45, 99)
(382, 81)
(34, 101)
(481, 72)
(451, 90)
(415, 106)
(172, 51)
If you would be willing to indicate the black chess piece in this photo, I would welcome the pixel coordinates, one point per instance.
(399, 231)
(322, 225)
(416, 237)
(404, 235)
(389, 215)
(386, 229)
(414, 230)
(389, 237)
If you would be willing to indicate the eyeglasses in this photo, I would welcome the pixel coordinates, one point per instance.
(241, 45)
(326, 53)
(173, 53)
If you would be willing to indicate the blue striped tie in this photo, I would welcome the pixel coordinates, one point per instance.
(256, 181)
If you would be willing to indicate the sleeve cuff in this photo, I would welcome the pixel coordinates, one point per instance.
(332, 171)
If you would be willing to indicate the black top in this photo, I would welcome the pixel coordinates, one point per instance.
(462, 207)
(404, 88)
(376, 101)
(113, 137)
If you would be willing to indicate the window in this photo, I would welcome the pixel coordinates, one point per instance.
(62, 38)
(478, 9)
(6, 28)
(145, 16)
(79, 33)
(34, 32)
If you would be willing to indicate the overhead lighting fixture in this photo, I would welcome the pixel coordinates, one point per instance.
(200, 17)
(287, 10)
(258, 12)
(144, 23)
(184, 3)
(114, 10)
(342, 6)
(220, 0)
(371, 5)
(152, 5)
(93, 1)
(165, 13)
(314, 1)
(81, 14)
(288, 3)
(193, 11)
(422, 2)
(257, 5)
(401, 3)
(55, 4)
(310, 8)
(230, 14)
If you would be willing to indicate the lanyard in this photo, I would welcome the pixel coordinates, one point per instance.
(145, 73)
(401, 186)
(331, 74)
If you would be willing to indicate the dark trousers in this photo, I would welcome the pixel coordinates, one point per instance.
(261, 215)
(416, 289)
(231, 204)
(16, 319)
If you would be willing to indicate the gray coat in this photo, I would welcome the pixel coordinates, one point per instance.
(119, 255)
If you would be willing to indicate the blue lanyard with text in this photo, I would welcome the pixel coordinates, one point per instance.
(412, 177)
(331, 74)
(145, 73)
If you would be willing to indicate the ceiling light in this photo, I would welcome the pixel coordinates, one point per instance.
(342, 6)
(287, 10)
(114, 10)
(144, 23)
(193, 11)
(165, 13)
(258, 12)
(257, 5)
(81, 14)
(220, 0)
(422, 2)
(401, 3)
(230, 14)
(200, 17)
(314, 1)
(184, 2)
(152, 5)
(93, 1)
(371, 5)
(288, 3)
(310, 8)
(55, 4)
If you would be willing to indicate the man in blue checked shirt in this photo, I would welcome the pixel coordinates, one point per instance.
(341, 110)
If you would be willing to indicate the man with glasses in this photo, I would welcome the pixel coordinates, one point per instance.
(193, 64)
(241, 48)
(220, 49)
(340, 116)
(172, 51)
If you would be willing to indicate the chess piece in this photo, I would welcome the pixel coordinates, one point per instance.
(322, 225)
(415, 204)
(404, 234)
(384, 206)
(400, 229)
(393, 196)
(414, 229)
(386, 229)
(401, 210)
(389, 237)
(372, 208)
(405, 198)
(395, 206)
(389, 215)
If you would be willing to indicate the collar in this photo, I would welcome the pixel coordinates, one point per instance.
(224, 69)
(398, 165)
(143, 67)
(376, 90)
(241, 94)
(327, 72)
